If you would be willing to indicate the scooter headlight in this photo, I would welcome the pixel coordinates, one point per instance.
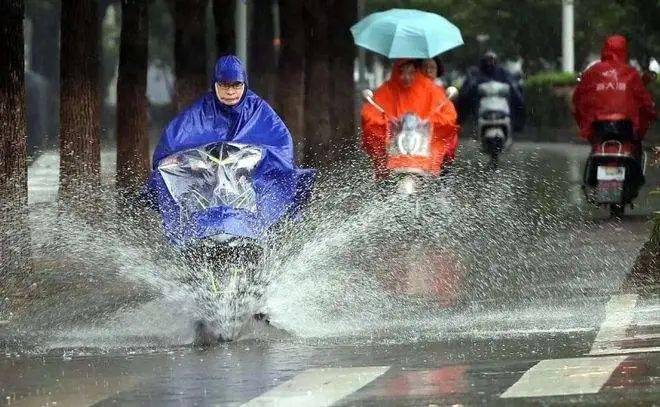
(495, 116)
(407, 186)
(409, 142)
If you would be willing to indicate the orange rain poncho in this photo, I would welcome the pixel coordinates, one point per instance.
(422, 98)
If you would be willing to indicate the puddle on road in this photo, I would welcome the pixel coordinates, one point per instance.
(491, 255)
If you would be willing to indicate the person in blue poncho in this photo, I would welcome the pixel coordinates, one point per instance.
(228, 113)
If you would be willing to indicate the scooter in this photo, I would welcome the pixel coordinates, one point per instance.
(494, 118)
(616, 166)
(218, 206)
(409, 149)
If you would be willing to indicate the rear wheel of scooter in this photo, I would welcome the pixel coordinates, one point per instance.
(494, 162)
(617, 210)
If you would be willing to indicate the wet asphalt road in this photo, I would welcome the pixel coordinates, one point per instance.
(577, 344)
(464, 372)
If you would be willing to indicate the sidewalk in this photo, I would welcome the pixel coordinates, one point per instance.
(44, 172)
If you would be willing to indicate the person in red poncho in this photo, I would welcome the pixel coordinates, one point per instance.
(409, 91)
(612, 90)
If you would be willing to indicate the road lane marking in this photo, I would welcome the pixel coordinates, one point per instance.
(561, 377)
(645, 337)
(618, 316)
(627, 351)
(648, 323)
(319, 387)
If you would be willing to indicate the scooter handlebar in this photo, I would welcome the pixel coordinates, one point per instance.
(368, 95)
(452, 92)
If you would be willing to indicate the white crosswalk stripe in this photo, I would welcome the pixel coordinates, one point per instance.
(587, 375)
(624, 312)
(319, 387)
(618, 316)
(559, 377)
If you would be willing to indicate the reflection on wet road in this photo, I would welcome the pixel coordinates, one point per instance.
(512, 307)
(556, 367)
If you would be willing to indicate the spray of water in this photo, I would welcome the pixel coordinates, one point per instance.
(488, 252)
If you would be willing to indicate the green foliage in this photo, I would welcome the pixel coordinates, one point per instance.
(548, 105)
(637, 20)
(548, 98)
(531, 29)
(551, 78)
(525, 28)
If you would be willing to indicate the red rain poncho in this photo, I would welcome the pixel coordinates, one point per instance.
(423, 98)
(613, 90)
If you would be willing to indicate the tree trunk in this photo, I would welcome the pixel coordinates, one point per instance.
(291, 71)
(262, 50)
(132, 121)
(189, 51)
(14, 232)
(225, 34)
(318, 148)
(343, 16)
(80, 156)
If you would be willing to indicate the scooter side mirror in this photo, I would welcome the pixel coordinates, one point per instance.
(452, 92)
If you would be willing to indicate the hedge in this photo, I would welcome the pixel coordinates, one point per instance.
(548, 99)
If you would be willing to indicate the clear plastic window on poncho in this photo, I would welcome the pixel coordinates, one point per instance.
(213, 175)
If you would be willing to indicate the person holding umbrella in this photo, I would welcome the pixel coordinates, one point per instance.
(409, 91)
(408, 36)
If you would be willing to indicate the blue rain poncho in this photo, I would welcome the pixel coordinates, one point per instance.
(222, 170)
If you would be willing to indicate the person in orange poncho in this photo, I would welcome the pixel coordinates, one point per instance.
(409, 91)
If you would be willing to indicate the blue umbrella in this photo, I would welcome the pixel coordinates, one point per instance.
(400, 33)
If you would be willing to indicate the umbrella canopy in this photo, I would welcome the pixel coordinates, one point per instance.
(400, 33)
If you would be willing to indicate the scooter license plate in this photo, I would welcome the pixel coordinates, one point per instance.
(609, 192)
(611, 173)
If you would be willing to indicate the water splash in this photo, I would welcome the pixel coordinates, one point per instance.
(486, 243)
(490, 252)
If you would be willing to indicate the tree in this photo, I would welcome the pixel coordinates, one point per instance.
(189, 51)
(225, 35)
(318, 148)
(132, 138)
(14, 232)
(532, 28)
(637, 20)
(80, 155)
(343, 15)
(291, 71)
(262, 50)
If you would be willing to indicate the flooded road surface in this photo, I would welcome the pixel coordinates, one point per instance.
(544, 367)
(508, 292)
